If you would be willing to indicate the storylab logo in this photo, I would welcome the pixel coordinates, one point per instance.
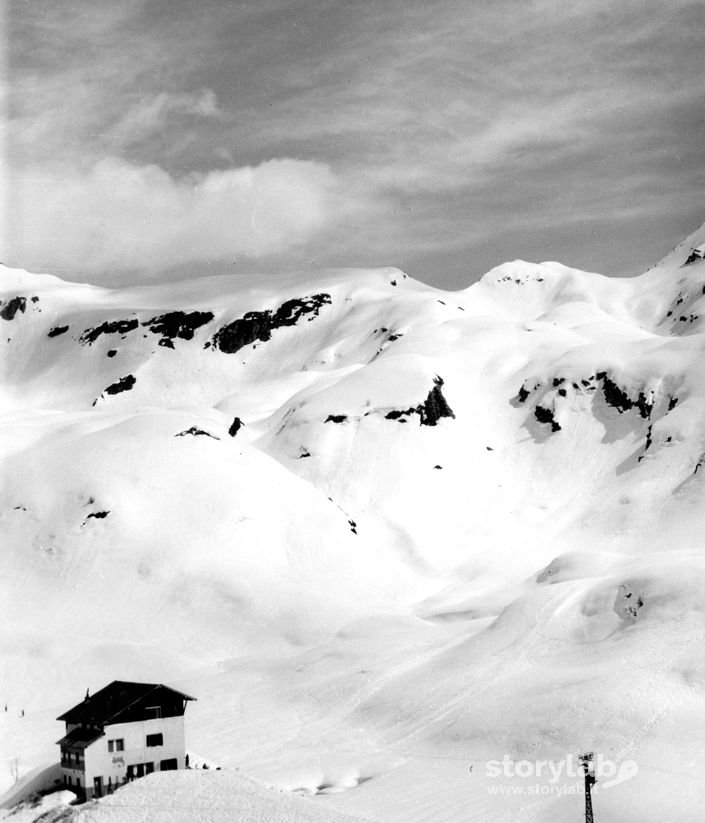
(556, 776)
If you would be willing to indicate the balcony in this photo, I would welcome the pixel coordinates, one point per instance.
(77, 765)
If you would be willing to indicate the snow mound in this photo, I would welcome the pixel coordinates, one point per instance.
(186, 796)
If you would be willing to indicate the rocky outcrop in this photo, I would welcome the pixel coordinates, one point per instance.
(434, 408)
(178, 324)
(89, 336)
(123, 384)
(10, 309)
(258, 325)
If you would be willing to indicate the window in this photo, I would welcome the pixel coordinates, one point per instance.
(155, 739)
(168, 765)
(116, 745)
(148, 768)
(152, 712)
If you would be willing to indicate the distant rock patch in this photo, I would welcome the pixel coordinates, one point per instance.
(695, 256)
(336, 418)
(620, 400)
(10, 309)
(177, 324)
(196, 432)
(628, 603)
(123, 384)
(434, 408)
(523, 395)
(258, 325)
(112, 352)
(544, 415)
(98, 515)
(89, 336)
(57, 330)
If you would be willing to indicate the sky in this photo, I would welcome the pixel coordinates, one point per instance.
(153, 140)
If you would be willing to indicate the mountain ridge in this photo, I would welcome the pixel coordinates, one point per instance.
(256, 472)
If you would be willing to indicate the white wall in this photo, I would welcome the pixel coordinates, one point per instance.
(113, 765)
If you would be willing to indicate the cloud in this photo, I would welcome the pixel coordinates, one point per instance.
(119, 216)
(442, 126)
(152, 114)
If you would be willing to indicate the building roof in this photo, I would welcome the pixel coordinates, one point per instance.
(79, 738)
(117, 702)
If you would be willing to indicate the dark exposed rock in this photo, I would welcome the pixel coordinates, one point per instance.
(523, 395)
(544, 415)
(435, 407)
(616, 397)
(353, 526)
(430, 411)
(235, 426)
(437, 466)
(112, 352)
(398, 414)
(336, 418)
(57, 330)
(258, 325)
(178, 324)
(10, 309)
(166, 342)
(123, 384)
(628, 603)
(98, 515)
(196, 432)
(34, 299)
(109, 327)
(393, 337)
(694, 257)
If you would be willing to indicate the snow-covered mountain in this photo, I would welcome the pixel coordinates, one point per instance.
(383, 532)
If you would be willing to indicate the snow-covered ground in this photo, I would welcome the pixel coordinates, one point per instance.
(387, 535)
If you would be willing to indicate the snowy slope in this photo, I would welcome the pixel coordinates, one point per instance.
(382, 531)
(188, 797)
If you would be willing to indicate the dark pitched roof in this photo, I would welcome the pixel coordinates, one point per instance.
(117, 699)
(79, 738)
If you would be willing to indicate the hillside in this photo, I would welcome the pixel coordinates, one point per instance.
(382, 531)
